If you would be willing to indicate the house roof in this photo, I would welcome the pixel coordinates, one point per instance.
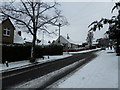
(7, 19)
(70, 40)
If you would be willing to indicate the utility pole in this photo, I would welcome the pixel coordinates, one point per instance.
(59, 33)
(43, 38)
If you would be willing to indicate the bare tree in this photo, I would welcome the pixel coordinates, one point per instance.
(33, 16)
(90, 38)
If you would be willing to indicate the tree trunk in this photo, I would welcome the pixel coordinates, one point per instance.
(33, 58)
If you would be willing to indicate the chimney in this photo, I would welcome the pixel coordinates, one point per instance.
(68, 36)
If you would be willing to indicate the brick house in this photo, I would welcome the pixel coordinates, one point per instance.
(7, 32)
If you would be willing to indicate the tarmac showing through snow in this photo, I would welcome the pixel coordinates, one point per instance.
(41, 82)
(25, 63)
(18, 64)
(102, 72)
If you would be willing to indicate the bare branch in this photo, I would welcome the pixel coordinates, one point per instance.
(26, 8)
(46, 22)
(48, 8)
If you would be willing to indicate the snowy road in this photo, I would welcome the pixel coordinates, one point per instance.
(38, 70)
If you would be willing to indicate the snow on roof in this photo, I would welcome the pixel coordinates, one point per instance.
(7, 19)
(18, 38)
(71, 41)
(1, 18)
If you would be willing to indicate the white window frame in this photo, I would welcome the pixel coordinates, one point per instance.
(6, 32)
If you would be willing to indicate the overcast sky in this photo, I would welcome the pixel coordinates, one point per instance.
(80, 15)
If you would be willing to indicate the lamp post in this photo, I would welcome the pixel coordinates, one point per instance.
(43, 39)
(59, 33)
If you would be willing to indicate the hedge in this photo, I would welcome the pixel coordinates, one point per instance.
(13, 53)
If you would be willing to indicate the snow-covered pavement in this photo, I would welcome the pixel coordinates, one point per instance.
(102, 72)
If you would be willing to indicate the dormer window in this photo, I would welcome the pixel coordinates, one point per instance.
(6, 32)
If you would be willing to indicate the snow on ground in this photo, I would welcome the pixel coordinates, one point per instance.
(84, 51)
(25, 63)
(19, 64)
(102, 72)
(41, 81)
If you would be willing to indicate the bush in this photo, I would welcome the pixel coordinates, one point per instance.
(13, 53)
(53, 50)
(93, 47)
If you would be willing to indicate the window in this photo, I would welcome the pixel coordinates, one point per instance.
(6, 32)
